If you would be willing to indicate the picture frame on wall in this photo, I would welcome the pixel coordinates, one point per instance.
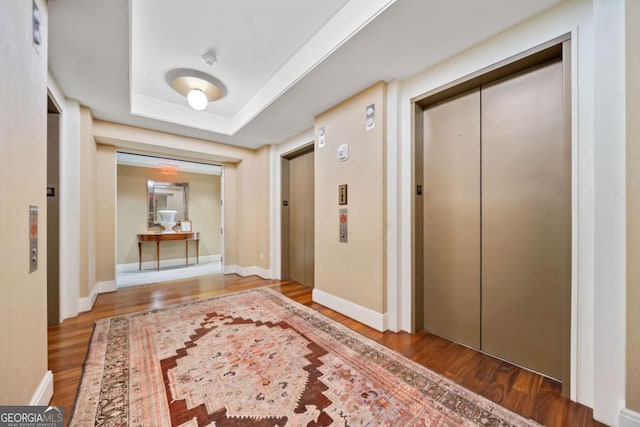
(185, 225)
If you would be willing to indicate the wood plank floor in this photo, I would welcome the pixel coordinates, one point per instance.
(524, 392)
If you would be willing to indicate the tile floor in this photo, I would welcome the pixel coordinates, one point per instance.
(144, 277)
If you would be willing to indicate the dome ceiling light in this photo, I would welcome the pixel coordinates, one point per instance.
(199, 88)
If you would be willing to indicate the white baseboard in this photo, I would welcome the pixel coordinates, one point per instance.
(362, 314)
(230, 269)
(247, 271)
(263, 272)
(44, 392)
(86, 303)
(628, 418)
(175, 262)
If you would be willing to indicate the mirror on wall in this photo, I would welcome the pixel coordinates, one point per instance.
(167, 196)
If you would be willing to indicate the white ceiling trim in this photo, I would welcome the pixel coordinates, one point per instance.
(159, 109)
(350, 19)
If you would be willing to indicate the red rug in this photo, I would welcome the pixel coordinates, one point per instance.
(256, 358)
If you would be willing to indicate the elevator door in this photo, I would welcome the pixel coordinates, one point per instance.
(497, 219)
(452, 219)
(301, 217)
(526, 211)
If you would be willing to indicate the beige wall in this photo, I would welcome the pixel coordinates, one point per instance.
(23, 165)
(88, 187)
(247, 211)
(230, 220)
(105, 213)
(354, 271)
(252, 186)
(633, 204)
(204, 211)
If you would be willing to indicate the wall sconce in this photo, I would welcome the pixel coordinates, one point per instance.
(199, 88)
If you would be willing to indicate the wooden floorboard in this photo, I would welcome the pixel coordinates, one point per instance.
(522, 391)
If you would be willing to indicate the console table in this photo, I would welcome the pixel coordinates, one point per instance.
(169, 237)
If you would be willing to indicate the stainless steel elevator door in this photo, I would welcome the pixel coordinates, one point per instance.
(452, 219)
(526, 208)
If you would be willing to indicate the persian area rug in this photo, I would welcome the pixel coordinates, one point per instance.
(257, 358)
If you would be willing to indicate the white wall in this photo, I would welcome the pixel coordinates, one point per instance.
(610, 240)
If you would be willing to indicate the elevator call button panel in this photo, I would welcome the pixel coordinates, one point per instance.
(33, 238)
(343, 225)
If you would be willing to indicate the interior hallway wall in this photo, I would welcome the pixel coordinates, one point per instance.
(250, 207)
(23, 165)
(105, 209)
(88, 208)
(230, 229)
(354, 271)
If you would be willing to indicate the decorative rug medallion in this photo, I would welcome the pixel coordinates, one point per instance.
(257, 358)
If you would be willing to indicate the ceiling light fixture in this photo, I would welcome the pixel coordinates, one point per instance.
(199, 88)
(197, 99)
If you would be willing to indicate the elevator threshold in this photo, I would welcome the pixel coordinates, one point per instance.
(496, 357)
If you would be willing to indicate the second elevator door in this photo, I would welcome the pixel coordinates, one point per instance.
(497, 219)
(301, 208)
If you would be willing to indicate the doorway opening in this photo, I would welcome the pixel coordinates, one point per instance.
(297, 213)
(53, 211)
(169, 219)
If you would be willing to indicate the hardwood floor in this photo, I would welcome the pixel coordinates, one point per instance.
(524, 392)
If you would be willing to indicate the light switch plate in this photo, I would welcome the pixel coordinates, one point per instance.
(343, 152)
(321, 137)
(370, 117)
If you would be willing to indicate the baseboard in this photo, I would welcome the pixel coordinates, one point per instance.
(44, 392)
(247, 271)
(86, 303)
(174, 262)
(263, 272)
(628, 418)
(230, 269)
(357, 312)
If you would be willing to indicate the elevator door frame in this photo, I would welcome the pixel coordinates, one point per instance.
(557, 48)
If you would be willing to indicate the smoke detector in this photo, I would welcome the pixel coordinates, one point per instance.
(209, 58)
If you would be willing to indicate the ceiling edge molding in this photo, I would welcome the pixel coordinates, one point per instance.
(350, 19)
(158, 109)
(152, 142)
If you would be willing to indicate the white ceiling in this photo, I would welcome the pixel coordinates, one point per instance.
(282, 61)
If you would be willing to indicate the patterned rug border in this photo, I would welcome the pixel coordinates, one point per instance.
(443, 396)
